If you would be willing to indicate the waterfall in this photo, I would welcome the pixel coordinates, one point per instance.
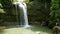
(23, 13)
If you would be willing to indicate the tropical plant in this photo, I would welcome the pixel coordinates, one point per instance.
(54, 14)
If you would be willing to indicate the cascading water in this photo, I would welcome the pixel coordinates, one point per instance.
(23, 13)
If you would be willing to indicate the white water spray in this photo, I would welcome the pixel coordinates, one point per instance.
(23, 13)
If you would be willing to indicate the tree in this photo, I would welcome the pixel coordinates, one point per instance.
(54, 14)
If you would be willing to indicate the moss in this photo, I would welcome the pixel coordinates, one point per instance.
(56, 27)
(2, 11)
(1, 5)
(20, 0)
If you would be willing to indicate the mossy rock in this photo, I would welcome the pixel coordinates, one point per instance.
(2, 11)
(56, 27)
(56, 30)
(1, 5)
(26, 1)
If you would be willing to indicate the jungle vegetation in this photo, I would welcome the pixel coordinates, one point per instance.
(44, 12)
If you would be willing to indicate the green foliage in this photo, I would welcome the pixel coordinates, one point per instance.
(6, 3)
(37, 10)
(54, 11)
